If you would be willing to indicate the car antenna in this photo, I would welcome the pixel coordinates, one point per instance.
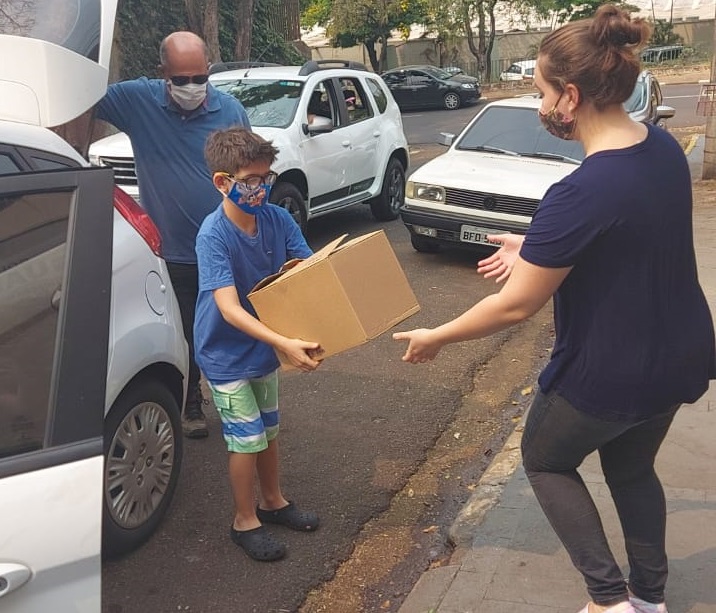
(258, 59)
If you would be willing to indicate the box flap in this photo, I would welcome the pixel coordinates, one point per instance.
(293, 266)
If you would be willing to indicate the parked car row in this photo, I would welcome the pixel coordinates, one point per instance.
(497, 170)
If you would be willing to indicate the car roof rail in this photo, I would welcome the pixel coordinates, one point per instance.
(224, 66)
(313, 65)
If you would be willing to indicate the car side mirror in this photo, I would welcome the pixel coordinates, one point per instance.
(665, 112)
(446, 138)
(317, 128)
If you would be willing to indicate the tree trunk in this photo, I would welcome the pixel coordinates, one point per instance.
(490, 41)
(469, 33)
(194, 12)
(244, 23)
(211, 30)
(372, 55)
(481, 42)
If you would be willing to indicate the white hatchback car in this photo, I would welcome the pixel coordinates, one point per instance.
(93, 361)
(357, 153)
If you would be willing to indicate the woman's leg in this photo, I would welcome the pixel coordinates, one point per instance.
(556, 440)
(628, 465)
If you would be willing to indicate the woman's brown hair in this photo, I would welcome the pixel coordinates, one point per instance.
(598, 55)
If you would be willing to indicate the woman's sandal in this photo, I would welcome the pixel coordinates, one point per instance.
(259, 544)
(289, 516)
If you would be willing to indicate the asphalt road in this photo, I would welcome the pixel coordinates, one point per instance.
(352, 435)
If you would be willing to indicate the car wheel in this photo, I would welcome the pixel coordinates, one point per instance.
(288, 196)
(142, 453)
(451, 101)
(386, 206)
(422, 244)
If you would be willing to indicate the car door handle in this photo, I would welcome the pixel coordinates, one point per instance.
(56, 298)
(346, 143)
(12, 576)
(376, 134)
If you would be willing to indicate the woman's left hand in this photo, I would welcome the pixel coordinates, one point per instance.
(422, 345)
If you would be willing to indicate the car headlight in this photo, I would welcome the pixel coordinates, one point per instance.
(468, 85)
(422, 191)
(95, 160)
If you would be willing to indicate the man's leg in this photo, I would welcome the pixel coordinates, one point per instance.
(185, 280)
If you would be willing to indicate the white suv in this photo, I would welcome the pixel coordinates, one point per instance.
(355, 152)
(93, 361)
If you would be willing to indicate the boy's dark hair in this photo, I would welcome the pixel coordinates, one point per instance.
(234, 148)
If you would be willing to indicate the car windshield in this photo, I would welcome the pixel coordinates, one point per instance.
(505, 129)
(268, 103)
(438, 73)
(637, 100)
(73, 24)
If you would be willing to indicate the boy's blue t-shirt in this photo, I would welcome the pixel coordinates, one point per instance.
(634, 335)
(227, 256)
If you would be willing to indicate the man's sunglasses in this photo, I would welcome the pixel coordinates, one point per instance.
(180, 80)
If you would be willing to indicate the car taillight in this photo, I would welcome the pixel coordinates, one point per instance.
(138, 219)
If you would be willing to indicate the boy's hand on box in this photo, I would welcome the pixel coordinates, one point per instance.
(302, 354)
(422, 345)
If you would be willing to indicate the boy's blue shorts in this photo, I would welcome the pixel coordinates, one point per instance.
(249, 412)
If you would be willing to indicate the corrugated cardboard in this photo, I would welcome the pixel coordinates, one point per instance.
(342, 296)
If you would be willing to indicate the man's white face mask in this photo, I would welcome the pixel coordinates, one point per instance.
(189, 96)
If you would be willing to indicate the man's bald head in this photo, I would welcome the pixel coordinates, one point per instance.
(183, 53)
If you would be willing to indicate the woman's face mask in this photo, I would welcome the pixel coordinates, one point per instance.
(555, 122)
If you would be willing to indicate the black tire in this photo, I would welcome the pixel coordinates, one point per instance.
(386, 205)
(421, 244)
(288, 196)
(452, 101)
(143, 454)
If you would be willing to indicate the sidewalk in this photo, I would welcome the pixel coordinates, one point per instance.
(508, 559)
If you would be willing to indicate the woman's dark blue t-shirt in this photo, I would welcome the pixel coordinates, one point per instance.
(634, 335)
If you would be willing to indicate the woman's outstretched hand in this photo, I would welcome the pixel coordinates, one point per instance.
(422, 346)
(500, 263)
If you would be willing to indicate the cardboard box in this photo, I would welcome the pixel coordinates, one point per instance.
(342, 296)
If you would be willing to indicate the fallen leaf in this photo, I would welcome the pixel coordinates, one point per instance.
(385, 605)
(411, 493)
(527, 391)
(430, 529)
(472, 486)
(456, 435)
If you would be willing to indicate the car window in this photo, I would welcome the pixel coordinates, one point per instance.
(395, 78)
(356, 100)
(516, 129)
(269, 103)
(44, 163)
(321, 103)
(7, 164)
(637, 100)
(514, 69)
(381, 100)
(33, 230)
(419, 78)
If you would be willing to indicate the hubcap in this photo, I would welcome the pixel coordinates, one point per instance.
(452, 101)
(139, 465)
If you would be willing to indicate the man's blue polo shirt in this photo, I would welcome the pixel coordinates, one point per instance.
(175, 186)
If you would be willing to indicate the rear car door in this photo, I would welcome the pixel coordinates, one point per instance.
(55, 284)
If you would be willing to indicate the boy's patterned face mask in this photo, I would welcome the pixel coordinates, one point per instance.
(251, 193)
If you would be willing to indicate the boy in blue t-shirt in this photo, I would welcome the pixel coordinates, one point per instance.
(244, 240)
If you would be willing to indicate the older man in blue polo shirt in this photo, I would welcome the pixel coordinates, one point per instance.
(168, 121)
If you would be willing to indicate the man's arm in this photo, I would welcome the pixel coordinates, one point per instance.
(117, 107)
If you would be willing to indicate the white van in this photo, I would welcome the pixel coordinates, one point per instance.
(519, 71)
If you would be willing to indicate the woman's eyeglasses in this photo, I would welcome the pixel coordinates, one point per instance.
(253, 182)
(180, 80)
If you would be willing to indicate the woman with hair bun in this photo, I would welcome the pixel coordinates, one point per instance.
(612, 243)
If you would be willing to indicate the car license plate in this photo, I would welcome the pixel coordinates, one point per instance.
(478, 236)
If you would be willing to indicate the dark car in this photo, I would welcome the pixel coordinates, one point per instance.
(416, 87)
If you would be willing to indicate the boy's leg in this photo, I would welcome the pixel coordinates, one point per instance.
(273, 507)
(242, 467)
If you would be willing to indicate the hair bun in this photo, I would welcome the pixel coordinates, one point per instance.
(613, 27)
